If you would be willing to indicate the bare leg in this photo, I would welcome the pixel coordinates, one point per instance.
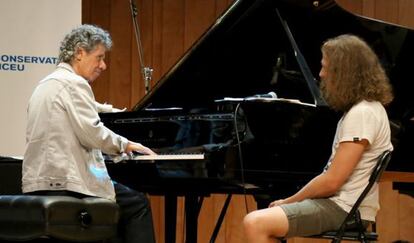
(265, 225)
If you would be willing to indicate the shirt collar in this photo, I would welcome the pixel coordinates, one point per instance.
(66, 66)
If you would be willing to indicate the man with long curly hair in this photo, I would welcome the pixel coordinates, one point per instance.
(353, 82)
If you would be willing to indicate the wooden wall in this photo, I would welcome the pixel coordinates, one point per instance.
(168, 29)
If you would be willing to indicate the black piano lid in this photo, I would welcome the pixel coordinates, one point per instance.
(237, 55)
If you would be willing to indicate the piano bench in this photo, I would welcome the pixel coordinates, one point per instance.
(61, 218)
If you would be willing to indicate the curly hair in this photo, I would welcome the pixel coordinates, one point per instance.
(86, 37)
(354, 73)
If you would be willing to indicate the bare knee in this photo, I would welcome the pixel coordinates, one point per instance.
(248, 221)
(252, 222)
(249, 226)
(267, 223)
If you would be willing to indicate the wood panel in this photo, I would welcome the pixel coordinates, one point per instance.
(168, 28)
(354, 6)
(199, 15)
(120, 56)
(99, 14)
(406, 219)
(405, 13)
(387, 10)
(387, 222)
(368, 8)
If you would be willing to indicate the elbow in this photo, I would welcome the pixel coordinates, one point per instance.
(332, 186)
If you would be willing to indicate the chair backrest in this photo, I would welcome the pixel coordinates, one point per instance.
(382, 164)
(379, 168)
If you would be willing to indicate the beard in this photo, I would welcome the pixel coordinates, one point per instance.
(327, 94)
(324, 91)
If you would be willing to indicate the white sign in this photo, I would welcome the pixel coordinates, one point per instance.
(30, 32)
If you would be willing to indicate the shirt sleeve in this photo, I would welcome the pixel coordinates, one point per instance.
(83, 114)
(358, 124)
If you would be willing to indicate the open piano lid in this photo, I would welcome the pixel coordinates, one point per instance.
(247, 51)
(241, 54)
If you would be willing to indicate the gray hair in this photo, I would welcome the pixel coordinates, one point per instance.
(86, 37)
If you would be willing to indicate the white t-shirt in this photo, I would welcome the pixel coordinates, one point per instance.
(365, 120)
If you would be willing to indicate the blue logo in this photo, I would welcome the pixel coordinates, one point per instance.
(17, 63)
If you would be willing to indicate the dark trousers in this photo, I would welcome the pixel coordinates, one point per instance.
(135, 222)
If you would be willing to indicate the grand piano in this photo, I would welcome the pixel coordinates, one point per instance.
(207, 104)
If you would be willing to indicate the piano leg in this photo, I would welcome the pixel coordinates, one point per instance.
(170, 208)
(192, 206)
(192, 209)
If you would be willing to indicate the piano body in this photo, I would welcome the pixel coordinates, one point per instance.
(271, 146)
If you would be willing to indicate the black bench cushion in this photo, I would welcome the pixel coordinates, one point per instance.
(26, 217)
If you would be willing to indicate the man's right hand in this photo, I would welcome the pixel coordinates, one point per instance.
(137, 147)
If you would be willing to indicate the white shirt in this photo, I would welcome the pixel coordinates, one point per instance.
(365, 120)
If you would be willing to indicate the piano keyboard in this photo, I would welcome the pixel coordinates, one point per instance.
(142, 157)
(169, 157)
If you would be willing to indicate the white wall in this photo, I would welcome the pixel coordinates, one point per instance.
(30, 31)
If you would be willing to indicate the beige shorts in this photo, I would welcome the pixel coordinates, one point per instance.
(313, 216)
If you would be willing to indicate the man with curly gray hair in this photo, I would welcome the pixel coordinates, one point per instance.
(65, 137)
